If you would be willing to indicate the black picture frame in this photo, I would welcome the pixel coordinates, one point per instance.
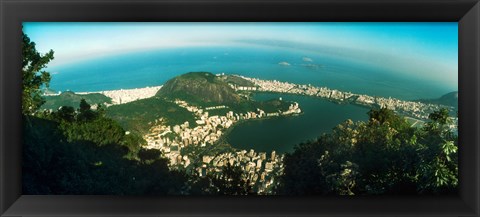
(13, 13)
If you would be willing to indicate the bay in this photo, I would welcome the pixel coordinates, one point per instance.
(283, 133)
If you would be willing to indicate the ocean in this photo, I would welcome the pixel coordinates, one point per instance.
(155, 67)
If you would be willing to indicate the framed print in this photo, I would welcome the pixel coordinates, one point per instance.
(239, 108)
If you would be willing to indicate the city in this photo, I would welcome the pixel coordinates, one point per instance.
(411, 109)
(259, 170)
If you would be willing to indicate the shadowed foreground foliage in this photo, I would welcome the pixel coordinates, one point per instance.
(227, 182)
(382, 156)
(93, 156)
(83, 152)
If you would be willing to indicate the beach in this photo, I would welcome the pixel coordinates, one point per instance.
(127, 95)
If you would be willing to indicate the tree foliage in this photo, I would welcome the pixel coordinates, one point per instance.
(64, 153)
(382, 156)
(85, 124)
(229, 181)
(33, 75)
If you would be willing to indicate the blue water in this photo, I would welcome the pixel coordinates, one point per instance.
(148, 68)
(282, 134)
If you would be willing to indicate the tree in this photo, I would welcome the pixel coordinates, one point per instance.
(440, 121)
(227, 182)
(84, 106)
(66, 113)
(85, 112)
(230, 181)
(149, 155)
(33, 75)
(441, 116)
(385, 115)
(382, 156)
(439, 172)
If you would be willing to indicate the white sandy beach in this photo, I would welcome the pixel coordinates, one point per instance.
(127, 95)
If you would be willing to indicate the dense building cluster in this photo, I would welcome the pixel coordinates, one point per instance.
(413, 109)
(172, 139)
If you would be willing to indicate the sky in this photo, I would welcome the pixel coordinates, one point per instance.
(427, 48)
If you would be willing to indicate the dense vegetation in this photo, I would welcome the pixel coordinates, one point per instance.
(236, 80)
(202, 88)
(69, 98)
(205, 89)
(382, 156)
(138, 116)
(228, 182)
(449, 99)
(54, 163)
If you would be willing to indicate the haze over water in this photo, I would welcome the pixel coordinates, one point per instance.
(149, 68)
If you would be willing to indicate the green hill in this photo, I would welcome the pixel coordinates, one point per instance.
(69, 98)
(236, 80)
(449, 99)
(139, 115)
(205, 89)
(200, 88)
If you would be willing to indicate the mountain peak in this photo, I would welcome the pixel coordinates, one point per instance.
(199, 88)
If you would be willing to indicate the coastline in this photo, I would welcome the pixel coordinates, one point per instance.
(412, 109)
(417, 110)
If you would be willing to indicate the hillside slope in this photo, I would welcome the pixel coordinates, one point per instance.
(201, 88)
(69, 98)
(449, 99)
